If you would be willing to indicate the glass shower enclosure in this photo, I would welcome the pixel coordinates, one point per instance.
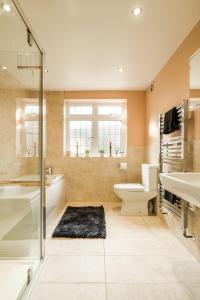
(21, 153)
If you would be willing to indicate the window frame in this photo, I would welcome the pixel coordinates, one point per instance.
(95, 118)
(20, 126)
(68, 133)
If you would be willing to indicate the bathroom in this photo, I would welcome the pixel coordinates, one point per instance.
(81, 126)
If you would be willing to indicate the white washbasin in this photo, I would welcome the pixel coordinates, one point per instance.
(185, 185)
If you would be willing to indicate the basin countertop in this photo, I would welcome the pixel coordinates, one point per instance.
(185, 185)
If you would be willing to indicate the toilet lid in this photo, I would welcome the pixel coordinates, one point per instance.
(137, 187)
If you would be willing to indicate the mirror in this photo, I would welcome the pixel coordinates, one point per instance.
(195, 82)
(194, 115)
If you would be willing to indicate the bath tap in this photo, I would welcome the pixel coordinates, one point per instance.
(49, 171)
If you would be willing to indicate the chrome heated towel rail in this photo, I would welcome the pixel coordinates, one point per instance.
(173, 155)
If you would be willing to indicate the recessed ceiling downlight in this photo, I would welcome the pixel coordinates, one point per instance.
(121, 69)
(7, 7)
(4, 67)
(137, 11)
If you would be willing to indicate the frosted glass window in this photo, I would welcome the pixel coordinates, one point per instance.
(80, 110)
(110, 132)
(80, 135)
(31, 109)
(31, 138)
(109, 110)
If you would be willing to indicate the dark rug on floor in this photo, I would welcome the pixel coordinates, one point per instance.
(82, 222)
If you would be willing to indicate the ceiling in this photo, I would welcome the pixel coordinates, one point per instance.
(16, 52)
(86, 41)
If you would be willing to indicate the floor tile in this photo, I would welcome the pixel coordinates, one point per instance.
(148, 292)
(153, 221)
(74, 247)
(151, 269)
(131, 227)
(69, 291)
(158, 227)
(145, 246)
(12, 274)
(125, 220)
(73, 269)
(112, 209)
(195, 290)
(187, 272)
(144, 261)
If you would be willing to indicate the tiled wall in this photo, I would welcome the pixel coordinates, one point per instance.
(10, 165)
(87, 179)
(92, 178)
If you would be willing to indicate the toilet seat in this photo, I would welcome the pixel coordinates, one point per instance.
(129, 187)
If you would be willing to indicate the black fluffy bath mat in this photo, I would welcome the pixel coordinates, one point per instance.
(82, 222)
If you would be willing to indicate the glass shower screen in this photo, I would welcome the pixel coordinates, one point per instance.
(21, 152)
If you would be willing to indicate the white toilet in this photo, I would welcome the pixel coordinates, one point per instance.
(135, 196)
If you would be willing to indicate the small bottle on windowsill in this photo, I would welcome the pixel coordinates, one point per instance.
(110, 149)
(68, 153)
(77, 149)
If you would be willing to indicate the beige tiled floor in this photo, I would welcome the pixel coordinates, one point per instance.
(139, 260)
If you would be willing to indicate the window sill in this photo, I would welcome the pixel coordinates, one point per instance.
(98, 156)
(26, 156)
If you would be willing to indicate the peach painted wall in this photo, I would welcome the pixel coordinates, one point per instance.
(195, 93)
(136, 110)
(171, 85)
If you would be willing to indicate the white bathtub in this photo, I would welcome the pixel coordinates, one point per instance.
(36, 178)
(18, 191)
(55, 189)
(20, 213)
(16, 201)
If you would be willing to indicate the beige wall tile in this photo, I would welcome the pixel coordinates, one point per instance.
(87, 179)
(10, 165)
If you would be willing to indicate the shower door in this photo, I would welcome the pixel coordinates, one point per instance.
(21, 153)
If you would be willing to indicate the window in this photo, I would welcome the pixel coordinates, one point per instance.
(81, 133)
(95, 127)
(27, 118)
(109, 110)
(110, 131)
(31, 138)
(80, 110)
(31, 109)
